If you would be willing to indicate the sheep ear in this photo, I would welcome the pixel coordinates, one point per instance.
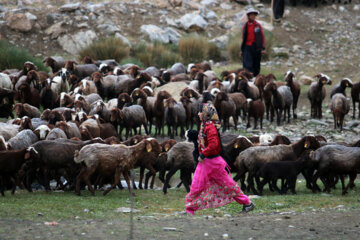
(27, 155)
(166, 147)
(236, 146)
(148, 147)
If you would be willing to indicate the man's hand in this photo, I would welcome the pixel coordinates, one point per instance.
(263, 52)
(200, 159)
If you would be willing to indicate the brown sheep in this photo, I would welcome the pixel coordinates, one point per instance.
(29, 95)
(226, 108)
(147, 102)
(317, 93)
(54, 64)
(175, 116)
(261, 81)
(80, 70)
(159, 111)
(249, 89)
(341, 87)
(355, 95)
(124, 99)
(26, 110)
(295, 89)
(256, 109)
(340, 106)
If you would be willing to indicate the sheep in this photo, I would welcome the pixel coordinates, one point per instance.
(66, 100)
(195, 103)
(175, 69)
(89, 129)
(204, 79)
(179, 157)
(175, 116)
(336, 159)
(55, 116)
(226, 108)
(193, 68)
(256, 109)
(355, 95)
(49, 98)
(59, 83)
(110, 160)
(281, 100)
(26, 110)
(87, 87)
(80, 70)
(29, 95)
(295, 89)
(147, 102)
(159, 111)
(341, 87)
(181, 77)
(130, 118)
(100, 109)
(317, 93)
(23, 139)
(249, 89)
(11, 162)
(28, 66)
(265, 139)
(284, 170)
(252, 158)
(261, 81)
(3, 144)
(26, 123)
(55, 63)
(42, 131)
(132, 70)
(186, 102)
(126, 83)
(5, 81)
(105, 86)
(124, 99)
(6, 103)
(55, 133)
(71, 129)
(340, 106)
(153, 72)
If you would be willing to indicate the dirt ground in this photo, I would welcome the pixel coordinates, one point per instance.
(333, 224)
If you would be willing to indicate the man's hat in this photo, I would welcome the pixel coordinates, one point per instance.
(252, 10)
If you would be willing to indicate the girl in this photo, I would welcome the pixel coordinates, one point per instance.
(212, 185)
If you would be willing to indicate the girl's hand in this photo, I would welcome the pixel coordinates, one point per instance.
(200, 116)
(200, 159)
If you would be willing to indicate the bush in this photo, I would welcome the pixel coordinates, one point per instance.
(193, 48)
(234, 46)
(214, 52)
(132, 60)
(106, 48)
(15, 57)
(156, 54)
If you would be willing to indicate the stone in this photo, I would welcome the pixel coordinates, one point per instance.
(155, 33)
(225, 6)
(19, 22)
(55, 30)
(30, 16)
(209, 3)
(108, 29)
(75, 42)
(126, 210)
(317, 122)
(169, 229)
(70, 7)
(175, 3)
(266, 25)
(193, 22)
(2, 9)
(357, 26)
(91, 7)
(121, 8)
(220, 41)
(51, 18)
(124, 39)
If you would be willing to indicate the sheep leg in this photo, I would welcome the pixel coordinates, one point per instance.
(46, 180)
(116, 181)
(250, 181)
(147, 176)
(185, 176)
(2, 186)
(13, 185)
(255, 122)
(288, 114)
(133, 181)
(146, 129)
(274, 185)
(261, 122)
(261, 185)
(127, 179)
(352, 177)
(315, 177)
(142, 169)
(79, 178)
(248, 122)
(167, 179)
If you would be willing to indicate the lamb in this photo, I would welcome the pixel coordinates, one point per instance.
(66, 100)
(281, 100)
(147, 102)
(355, 95)
(340, 106)
(284, 170)
(89, 129)
(60, 83)
(175, 116)
(226, 108)
(11, 162)
(56, 133)
(256, 109)
(317, 93)
(130, 118)
(42, 131)
(109, 160)
(204, 79)
(22, 140)
(26, 110)
(71, 129)
(336, 159)
(195, 103)
(105, 86)
(126, 83)
(249, 89)
(124, 99)
(87, 87)
(252, 158)
(175, 69)
(341, 87)
(100, 109)
(295, 89)
(179, 157)
(261, 81)
(55, 63)
(55, 116)
(80, 70)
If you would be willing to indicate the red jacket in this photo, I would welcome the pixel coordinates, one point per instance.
(212, 142)
(258, 33)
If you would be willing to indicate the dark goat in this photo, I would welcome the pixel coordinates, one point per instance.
(159, 111)
(175, 116)
(256, 109)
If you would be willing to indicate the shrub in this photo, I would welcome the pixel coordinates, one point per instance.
(193, 48)
(156, 54)
(214, 52)
(106, 48)
(14, 57)
(132, 60)
(234, 46)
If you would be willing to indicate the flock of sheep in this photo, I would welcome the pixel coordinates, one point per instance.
(78, 135)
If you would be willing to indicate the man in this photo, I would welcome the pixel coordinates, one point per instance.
(253, 44)
(278, 9)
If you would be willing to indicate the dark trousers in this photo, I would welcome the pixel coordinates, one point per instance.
(279, 8)
(251, 59)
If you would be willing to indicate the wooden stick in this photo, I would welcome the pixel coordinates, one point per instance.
(272, 12)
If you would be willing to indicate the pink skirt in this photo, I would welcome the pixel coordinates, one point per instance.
(212, 186)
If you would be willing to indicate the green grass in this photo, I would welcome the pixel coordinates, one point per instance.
(66, 205)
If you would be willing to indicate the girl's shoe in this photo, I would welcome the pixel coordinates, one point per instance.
(248, 208)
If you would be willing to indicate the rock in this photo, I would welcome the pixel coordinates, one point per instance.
(55, 30)
(317, 122)
(342, 9)
(211, 15)
(172, 88)
(2, 9)
(209, 3)
(70, 7)
(73, 43)
(259, 5)
(108, 29)
(51, 18)
(240, 17)
(221, 41)
(225, 6)
(169, 229)
(121, 8)
(356, 7)
(19, 22)
(280, 50)
(124, 39)
(353, 123)
(357, 26)
(175, 3)
(155, 33)
(91, 7)
(306, 80)
(193, 22)
(126, 210)
(266, 25)
(30, 16)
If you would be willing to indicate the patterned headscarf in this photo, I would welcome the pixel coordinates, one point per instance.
(210, 116)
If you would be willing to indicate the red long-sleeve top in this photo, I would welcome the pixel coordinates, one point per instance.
(212, 142)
